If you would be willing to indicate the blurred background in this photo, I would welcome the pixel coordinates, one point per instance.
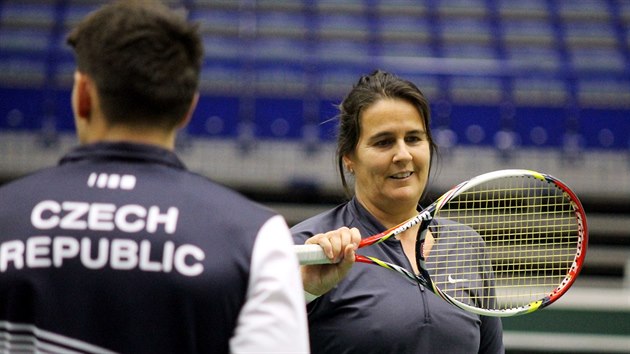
(537, 84)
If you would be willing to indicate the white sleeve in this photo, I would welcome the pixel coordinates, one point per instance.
(273, 319)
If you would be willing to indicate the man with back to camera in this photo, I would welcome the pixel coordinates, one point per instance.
(119, 248)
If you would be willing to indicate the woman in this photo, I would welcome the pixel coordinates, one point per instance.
(385, 143)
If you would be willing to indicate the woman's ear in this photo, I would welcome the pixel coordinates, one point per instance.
(347, 162)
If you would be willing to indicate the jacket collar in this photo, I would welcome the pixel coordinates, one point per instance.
(123, 151)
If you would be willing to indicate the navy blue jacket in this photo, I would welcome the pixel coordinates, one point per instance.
(121, 248)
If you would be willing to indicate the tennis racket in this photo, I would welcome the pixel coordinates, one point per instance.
(505, 243)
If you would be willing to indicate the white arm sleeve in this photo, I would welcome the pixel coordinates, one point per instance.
(273, 319)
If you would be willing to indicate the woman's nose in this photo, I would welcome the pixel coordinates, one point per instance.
(402, 152)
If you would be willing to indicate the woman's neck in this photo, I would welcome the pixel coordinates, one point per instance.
(390, 215)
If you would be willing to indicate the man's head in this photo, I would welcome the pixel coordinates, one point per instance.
(143, 60)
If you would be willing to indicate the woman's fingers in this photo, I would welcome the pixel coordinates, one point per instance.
(335, 242)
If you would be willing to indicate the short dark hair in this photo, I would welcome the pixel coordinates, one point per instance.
(367, 91)
(144, 58)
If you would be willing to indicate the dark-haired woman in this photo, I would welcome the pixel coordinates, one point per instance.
(385, 145)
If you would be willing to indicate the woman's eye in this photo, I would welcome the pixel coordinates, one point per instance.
(382, 143)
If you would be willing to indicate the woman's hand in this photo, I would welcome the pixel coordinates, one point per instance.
(339, 246)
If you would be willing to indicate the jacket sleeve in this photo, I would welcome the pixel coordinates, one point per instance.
(273, 319)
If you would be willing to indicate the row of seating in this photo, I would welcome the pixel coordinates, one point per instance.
(539, 70)
(32, 20)
(592, 42)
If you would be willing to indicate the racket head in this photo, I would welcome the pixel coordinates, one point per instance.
(505, 243)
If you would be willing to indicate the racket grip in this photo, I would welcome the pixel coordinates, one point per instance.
(311, 254)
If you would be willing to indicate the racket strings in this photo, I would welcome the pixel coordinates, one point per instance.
(504, 244)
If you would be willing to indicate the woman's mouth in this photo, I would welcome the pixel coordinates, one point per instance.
(401, 175)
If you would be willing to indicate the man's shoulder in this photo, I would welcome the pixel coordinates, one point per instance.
(214, 192)
(33, 178)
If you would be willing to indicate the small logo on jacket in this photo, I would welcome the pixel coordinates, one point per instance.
(111, 181)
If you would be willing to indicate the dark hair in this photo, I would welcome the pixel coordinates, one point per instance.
(370, 89)
(144, 58)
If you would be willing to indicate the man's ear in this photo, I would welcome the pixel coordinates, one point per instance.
(84, 92)
(190, 112)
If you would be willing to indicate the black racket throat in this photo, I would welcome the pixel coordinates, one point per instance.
(424, 277)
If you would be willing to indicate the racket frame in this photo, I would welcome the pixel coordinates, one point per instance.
(572, 272)
(313, 254)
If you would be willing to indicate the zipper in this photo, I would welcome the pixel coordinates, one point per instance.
(423, 293)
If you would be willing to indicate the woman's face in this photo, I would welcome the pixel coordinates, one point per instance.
(392, 158)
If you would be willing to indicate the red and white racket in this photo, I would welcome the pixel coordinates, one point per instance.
(506, 243)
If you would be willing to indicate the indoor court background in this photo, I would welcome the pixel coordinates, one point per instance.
(538, 84)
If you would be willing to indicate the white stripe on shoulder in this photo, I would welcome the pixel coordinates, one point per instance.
(27, 338)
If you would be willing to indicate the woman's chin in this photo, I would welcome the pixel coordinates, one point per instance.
(406, 194)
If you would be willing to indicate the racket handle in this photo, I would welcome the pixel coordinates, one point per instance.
(311, 254)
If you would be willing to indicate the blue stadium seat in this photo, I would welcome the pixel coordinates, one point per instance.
(278, 118)
(605, 128)
(215, 117)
